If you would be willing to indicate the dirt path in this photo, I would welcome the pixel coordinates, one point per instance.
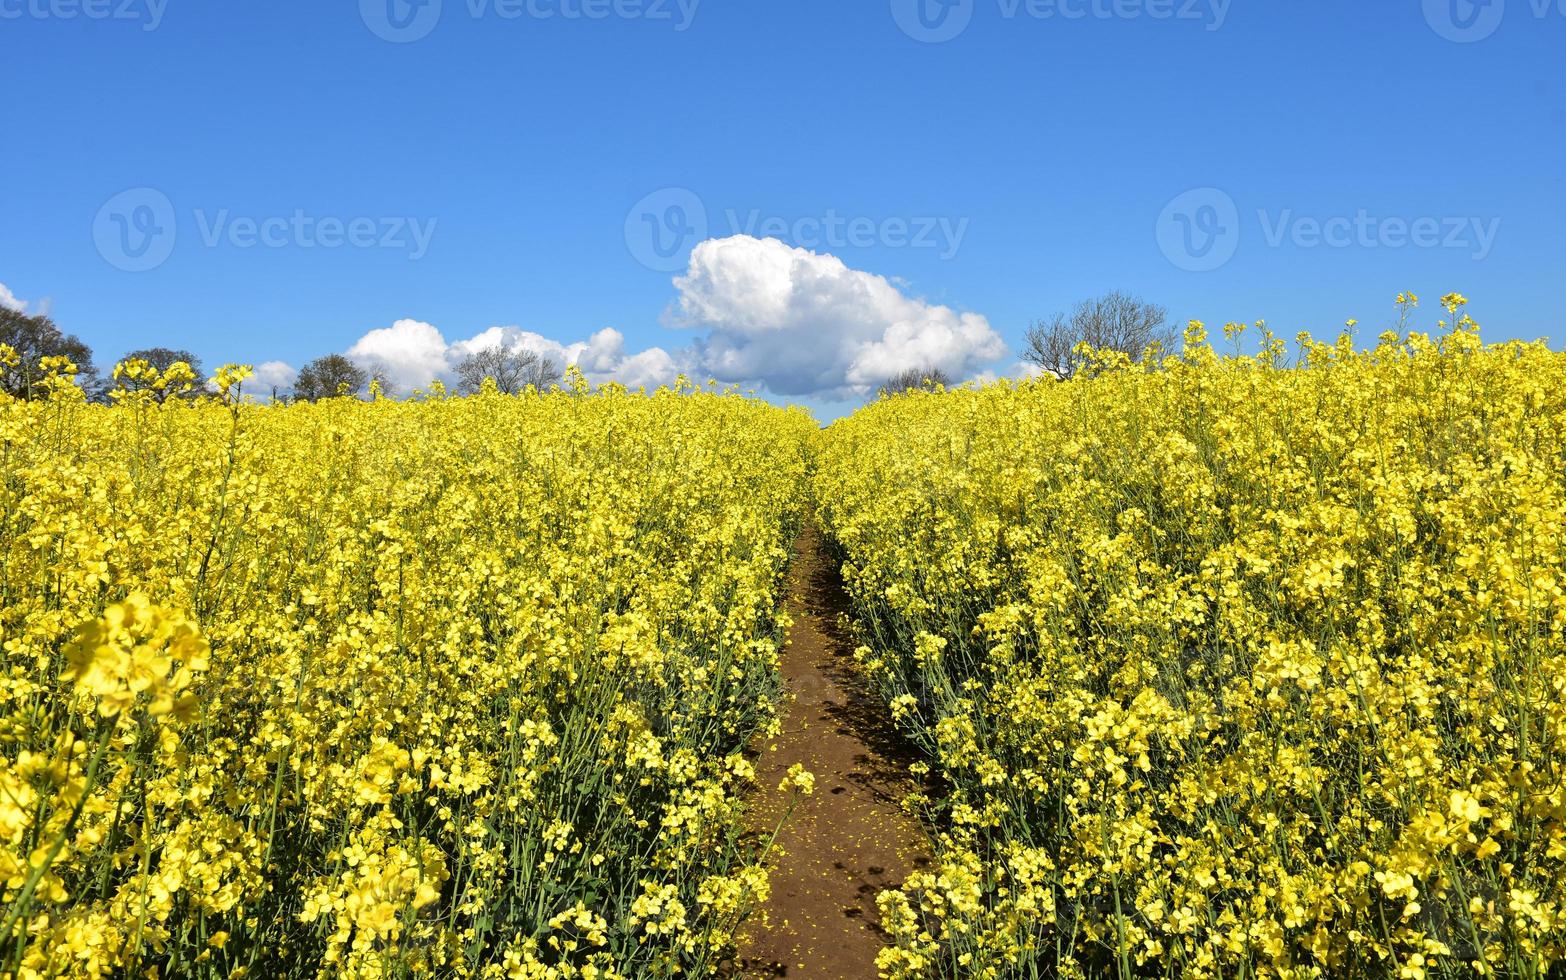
(849, 841)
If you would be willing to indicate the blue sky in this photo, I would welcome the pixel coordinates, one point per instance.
(508, 162)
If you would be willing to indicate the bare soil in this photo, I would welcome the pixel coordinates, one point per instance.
(851, 839)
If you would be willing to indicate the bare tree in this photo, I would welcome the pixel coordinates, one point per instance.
(380, 378)
(328, 377)
(1116, 321)
(512, 370)
(916, 379)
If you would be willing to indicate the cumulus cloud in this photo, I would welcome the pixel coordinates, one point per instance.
(797, 323)
(805, 324)
(9, 301)
(273, 374)
(411, 354)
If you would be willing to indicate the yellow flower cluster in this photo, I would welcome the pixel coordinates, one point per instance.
(131, 651)
(443, 687)
(139, 380)
(1232, 666)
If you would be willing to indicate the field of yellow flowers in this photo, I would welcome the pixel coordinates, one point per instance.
(1227, 666)
(1224, 666)
(451, 687)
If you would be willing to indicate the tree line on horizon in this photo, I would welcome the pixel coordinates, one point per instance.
(1116, 321)
(37, 337)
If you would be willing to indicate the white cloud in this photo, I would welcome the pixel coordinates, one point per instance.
(601, 357)
(9, 301)
(805, 324)
(797, 323)
(273, 374)
(413, 353)
(410, 352)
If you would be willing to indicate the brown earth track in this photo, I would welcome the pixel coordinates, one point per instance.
(850, 840)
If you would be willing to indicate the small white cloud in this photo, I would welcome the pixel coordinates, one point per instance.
(9, 301)
(273, 374)
(603, 358)
(1021, 371)
(806, 325)
(413, 353)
